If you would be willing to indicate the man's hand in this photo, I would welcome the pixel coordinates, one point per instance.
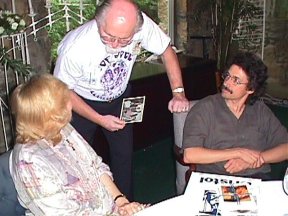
(252, 157)
(178, 103)
(238, 165)
(112, 123)
(246, 158)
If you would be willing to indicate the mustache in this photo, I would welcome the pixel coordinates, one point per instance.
(227, 89)
(111, 50)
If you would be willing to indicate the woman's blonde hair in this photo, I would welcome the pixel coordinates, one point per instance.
(40, 108)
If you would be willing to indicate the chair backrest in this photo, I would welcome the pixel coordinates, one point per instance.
(9, 205)
(178, 124)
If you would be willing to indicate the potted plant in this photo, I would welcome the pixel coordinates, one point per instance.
(225, 18)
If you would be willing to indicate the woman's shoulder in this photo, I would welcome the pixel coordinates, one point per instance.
(29, 152)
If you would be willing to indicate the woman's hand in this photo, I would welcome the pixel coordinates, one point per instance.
(129, 209)
(126, 208)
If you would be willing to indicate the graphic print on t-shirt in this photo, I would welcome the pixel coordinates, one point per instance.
(113, 77)
(116, 74)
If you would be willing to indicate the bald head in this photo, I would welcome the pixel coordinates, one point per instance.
(120, 18)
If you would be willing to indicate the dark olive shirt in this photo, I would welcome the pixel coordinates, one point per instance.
(211, 124)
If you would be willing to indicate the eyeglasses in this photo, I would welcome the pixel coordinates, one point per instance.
(111, 39)
(235, 80)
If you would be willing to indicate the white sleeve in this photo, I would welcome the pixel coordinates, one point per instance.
(67, 70)
(153, 38)
(100, 167)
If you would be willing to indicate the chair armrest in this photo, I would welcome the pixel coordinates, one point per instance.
(178, 153)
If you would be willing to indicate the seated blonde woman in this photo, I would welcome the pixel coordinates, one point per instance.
(54, 169)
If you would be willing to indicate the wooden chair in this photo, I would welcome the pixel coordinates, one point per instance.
(183, 170)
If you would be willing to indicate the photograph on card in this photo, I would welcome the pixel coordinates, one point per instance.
(235, 193)
(132, 109)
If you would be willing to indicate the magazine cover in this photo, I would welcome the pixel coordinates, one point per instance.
(222, 195)
(132, 109)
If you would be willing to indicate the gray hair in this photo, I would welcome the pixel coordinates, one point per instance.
(105, 5)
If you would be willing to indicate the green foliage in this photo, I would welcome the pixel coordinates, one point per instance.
(225, 16)
(59, 29)
(24, 70)
(10, 23)
(150, 7)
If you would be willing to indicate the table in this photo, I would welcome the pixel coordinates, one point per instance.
(274, 202)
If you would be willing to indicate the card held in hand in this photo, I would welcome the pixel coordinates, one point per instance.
(132, 109)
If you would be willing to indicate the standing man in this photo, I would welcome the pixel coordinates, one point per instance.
(96, 61)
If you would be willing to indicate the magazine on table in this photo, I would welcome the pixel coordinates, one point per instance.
(222, 195)
(132, 109)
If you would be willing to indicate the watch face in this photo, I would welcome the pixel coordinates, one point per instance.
(178, 90)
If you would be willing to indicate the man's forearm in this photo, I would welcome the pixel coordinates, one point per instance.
(200, 155)
(171, 63)
(83, 109)
(276, 154)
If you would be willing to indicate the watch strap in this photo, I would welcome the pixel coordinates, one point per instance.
(178, 90)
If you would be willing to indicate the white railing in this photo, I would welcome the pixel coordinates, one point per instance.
(15, 48)
(64, 14)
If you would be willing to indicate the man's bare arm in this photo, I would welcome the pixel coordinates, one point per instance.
(276, 154)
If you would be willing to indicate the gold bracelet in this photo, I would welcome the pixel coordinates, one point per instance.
(119, 196)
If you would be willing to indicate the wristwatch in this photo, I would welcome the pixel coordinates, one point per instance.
(178, 90)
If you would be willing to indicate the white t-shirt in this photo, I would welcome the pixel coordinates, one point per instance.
(94, 74)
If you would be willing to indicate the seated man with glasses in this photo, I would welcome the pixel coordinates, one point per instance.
(234, 133)
(96, 59)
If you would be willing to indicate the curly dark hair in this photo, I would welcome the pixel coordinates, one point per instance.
(256, 72)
